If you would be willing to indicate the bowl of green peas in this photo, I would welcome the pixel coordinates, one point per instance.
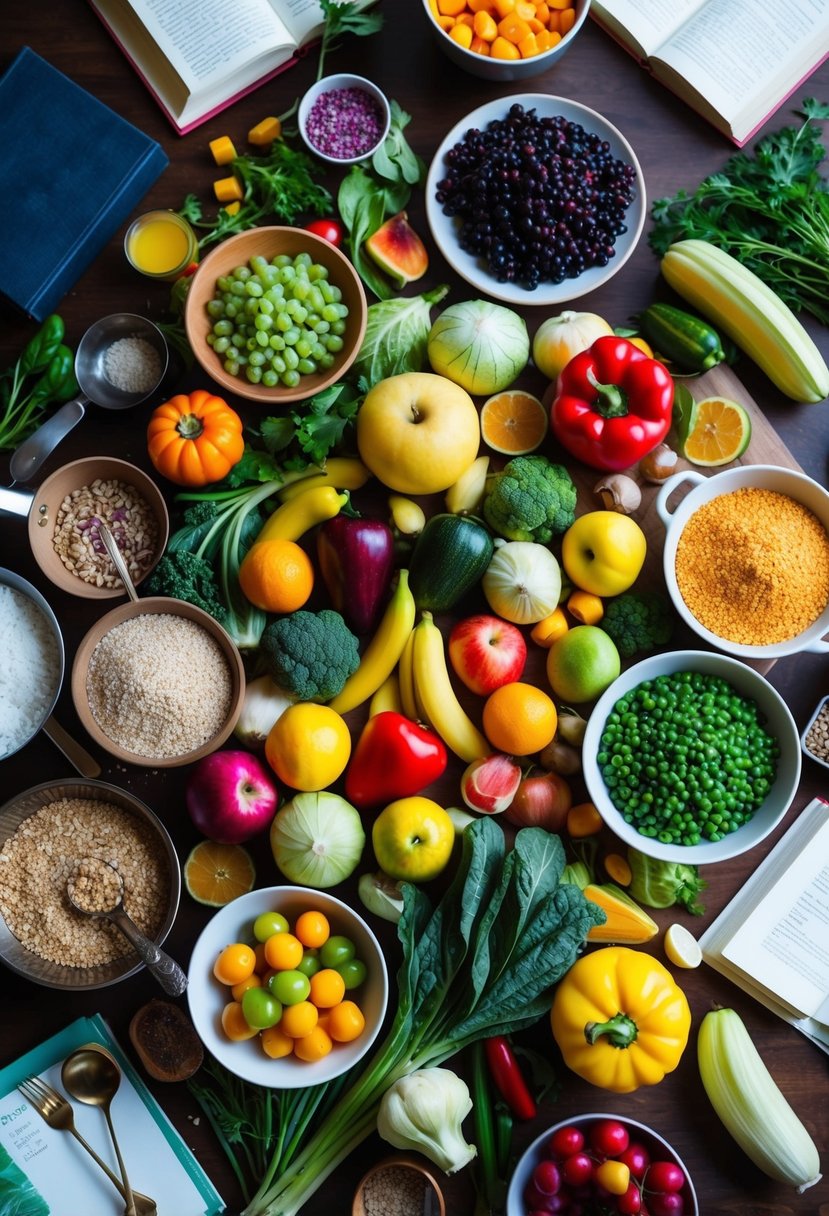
(691, 756)
(275, 314)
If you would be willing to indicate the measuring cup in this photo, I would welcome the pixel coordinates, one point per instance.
(77, 756)
(95, 388)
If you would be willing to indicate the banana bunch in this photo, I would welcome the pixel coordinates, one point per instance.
(425, 687)
(383, 652)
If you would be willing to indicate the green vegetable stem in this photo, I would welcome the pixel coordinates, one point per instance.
(343, 18)
(47, 358)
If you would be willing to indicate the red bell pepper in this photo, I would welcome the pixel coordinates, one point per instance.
(508, 1078)
(612, 405)
(394, 758)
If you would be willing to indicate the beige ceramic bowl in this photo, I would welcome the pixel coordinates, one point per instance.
(126, 612)
(421, 1174)
(52, 975)
(505, 69)
(269, 242)
(46, 504)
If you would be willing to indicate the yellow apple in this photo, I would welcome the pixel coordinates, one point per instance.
(412, 839)
(603, 552)
(418, 432)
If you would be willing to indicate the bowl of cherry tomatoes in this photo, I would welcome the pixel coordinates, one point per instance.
(601, 1163)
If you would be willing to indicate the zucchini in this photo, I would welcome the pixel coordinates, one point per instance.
(683, 339)
(449, 558)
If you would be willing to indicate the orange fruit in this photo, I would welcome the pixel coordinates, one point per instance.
(308, 746)
(276, 575)
(519, 719)
(719, 431)
(214, 874)
(513, 422)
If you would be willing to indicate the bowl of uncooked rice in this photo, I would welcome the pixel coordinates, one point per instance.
(31, 662)
(45, 833)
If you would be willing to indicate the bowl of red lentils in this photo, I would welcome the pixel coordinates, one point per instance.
(45, 833)
(158, 683)
(746, 559)
(506, 39)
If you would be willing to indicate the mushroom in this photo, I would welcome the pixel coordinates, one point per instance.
(618, 493)
(658, 464)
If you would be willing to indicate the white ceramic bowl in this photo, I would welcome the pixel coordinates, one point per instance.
(444, 228)
(777, 720)
(658, 1148)
(766, 477)
(506, 69)
(342, 80)
(207, 997)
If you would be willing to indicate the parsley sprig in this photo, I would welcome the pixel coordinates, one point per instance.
(355, 17)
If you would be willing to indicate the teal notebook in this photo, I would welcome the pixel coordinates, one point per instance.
(47, 1173)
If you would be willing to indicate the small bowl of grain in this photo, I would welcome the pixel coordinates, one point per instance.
(44, 833)
(158, 683)
(746, 559)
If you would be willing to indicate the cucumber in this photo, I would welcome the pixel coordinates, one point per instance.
(449, 558)
(688, 341)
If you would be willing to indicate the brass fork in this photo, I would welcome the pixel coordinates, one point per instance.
(55, 1110)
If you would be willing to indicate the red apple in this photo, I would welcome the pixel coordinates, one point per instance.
(230, 796)
(486, 652)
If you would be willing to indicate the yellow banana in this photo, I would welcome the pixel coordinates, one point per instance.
(297, 516)
(405, 677)
(342, 472)
(386, 697)
(435, 693)
(383, 652)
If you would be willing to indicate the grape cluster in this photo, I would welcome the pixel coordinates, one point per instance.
(540, 200)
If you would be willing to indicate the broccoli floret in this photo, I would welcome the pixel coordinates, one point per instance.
(310, 654)
(530, 499)
(638, 622)
(184, 576)
(200, 512)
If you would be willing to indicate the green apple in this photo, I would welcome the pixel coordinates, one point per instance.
(603, 552)
(413, 839)
(582, 663)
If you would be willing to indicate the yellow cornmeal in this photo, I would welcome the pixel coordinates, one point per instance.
(753, 567)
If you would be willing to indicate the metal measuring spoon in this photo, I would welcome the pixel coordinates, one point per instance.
(117, 559)
(94, 1077)
(95, 888)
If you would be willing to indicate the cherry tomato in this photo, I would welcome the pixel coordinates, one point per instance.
(346, 1022)
(283, 951)
(547, 1177)
(609, 1137)
(313, 1046)
(289, 987)
(309, 964)
(234, 964)
(329, 230)
(630, 1204)
(668, 1204)
(637, 1158)
(577, 1169)
(312, 929)
(327, 988)
(664, 1176)
(566, 1141)
(336, 951)
(353, 972)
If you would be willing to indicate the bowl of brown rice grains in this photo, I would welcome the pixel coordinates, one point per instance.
(158, 683)
(746, 559)
(44, 833)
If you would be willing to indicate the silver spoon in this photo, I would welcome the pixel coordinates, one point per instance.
(95, 888)
(117, 559)
(93, 1077)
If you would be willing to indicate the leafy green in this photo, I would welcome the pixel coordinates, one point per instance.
(663, 884)
(396, 336)
(347, 17)
(43, 373)
(394, 160)
(769, 209)
(481, 962)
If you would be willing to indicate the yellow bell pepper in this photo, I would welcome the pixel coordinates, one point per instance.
(619, 1019)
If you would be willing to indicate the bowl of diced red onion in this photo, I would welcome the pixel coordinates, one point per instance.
(344, 118)
(624, 1165)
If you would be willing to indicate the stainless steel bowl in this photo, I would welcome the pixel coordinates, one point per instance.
(25, 962)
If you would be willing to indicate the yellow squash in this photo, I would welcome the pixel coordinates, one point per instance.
(627, 924)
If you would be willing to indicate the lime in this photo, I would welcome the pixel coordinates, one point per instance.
(682, 948)
(718, 431)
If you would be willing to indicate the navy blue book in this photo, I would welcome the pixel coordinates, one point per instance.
(82, 170)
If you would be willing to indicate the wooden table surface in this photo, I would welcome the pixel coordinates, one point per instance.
(676, 149)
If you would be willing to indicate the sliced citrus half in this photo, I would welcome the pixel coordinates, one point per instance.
(513, 422)
(214, 874)
(719, 431)
(682, 948)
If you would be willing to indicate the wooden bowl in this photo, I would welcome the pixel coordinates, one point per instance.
(433, 1201)
(156, 605)
(270, 242)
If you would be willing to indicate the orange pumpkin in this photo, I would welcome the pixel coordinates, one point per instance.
(195, 438)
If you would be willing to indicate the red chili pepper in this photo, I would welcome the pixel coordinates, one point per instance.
(613, 404)
(508, 1078)
(394, 758)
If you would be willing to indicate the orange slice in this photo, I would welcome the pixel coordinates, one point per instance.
(513, 422)
(214, 874)
(719, 431)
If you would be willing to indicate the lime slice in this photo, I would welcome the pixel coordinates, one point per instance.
(718, 431)
(682, 948)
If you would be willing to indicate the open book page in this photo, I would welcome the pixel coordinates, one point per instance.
(644, 25)
(741, 60)
(304, 19)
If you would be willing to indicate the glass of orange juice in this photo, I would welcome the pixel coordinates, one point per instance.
(161, 245)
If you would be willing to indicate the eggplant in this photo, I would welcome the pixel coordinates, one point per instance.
(356, 560)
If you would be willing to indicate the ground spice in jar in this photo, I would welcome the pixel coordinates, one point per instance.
(395, 1191)
(816, 739)
(753, 566)
(344, 123)
(128, 516)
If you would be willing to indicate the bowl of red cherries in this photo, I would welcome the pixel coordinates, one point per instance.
(601, 1165)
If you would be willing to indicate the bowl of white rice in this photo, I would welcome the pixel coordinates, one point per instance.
(31, 662)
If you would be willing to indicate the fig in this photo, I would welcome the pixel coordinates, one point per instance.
(398, 250)
(488, 785)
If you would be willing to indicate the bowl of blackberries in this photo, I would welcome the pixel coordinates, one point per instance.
(535, 199)
(601, 1163)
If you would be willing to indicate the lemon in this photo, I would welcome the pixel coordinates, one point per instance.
(682, 948)
(718, 431)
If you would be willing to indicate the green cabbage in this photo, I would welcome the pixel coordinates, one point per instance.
(395, 338)
(662, 884)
